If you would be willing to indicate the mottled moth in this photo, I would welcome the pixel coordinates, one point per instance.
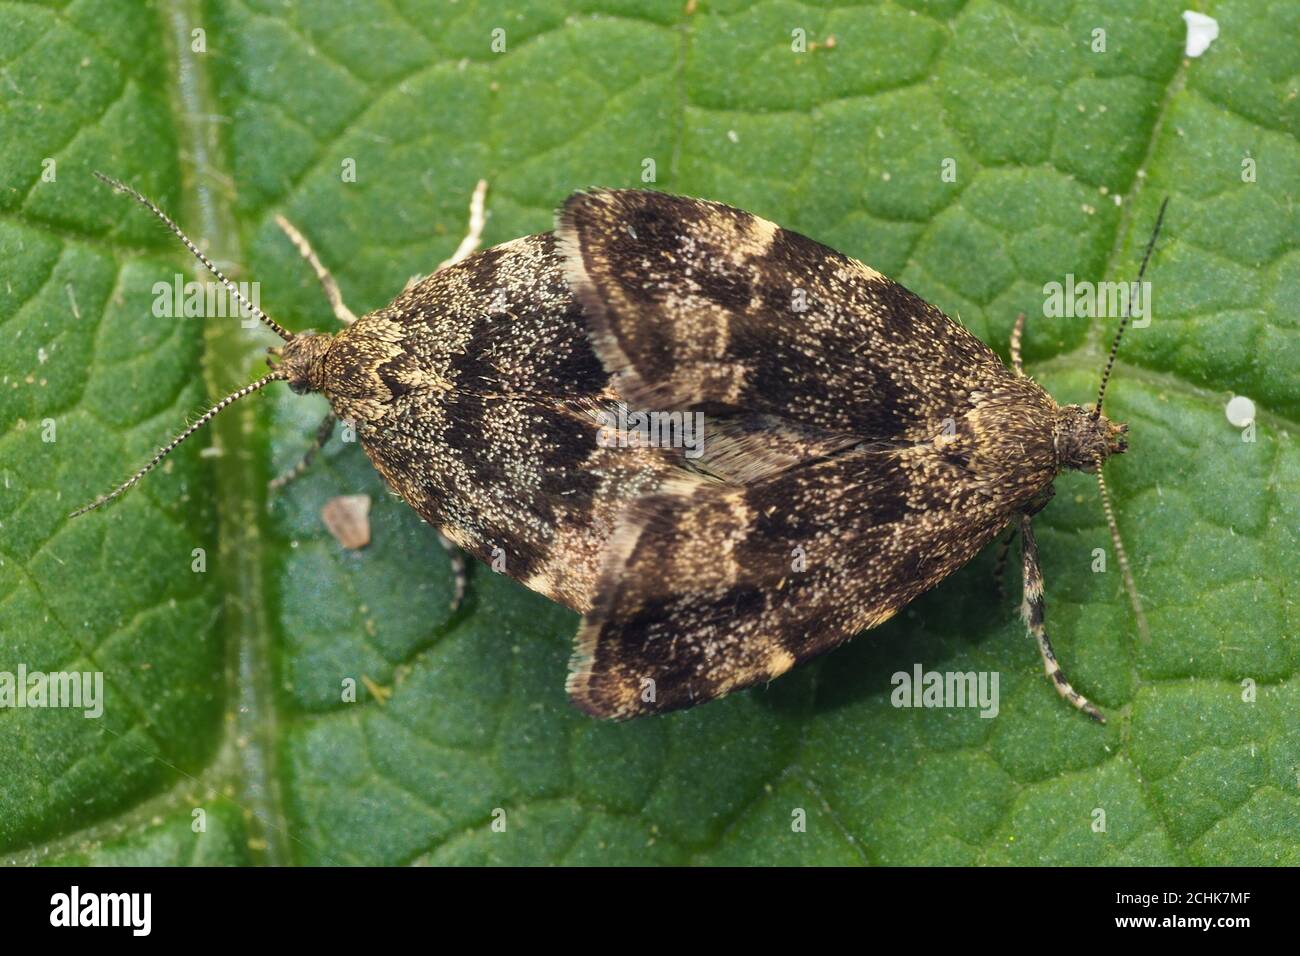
(866, 432)
(922, 447)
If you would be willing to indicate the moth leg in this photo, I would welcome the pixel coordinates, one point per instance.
(341, 311)
(458, 569)
(1017, 334)
(1000, 567)
(1032, 609)
(323, 433)
(477, 220)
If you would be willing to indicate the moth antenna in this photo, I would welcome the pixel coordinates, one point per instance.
(1122, 556)
(1124, 316)
(275, 376)
(194, 251)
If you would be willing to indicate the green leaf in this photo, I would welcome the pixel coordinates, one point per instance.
(223, 686)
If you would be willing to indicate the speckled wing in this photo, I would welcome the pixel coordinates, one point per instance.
(693, 302)
(476, 394)
(707, 589)
(711, 587)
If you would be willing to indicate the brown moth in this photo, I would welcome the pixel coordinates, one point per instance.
(922, 447)
(869, 435)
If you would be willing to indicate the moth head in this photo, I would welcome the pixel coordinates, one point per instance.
(301, 360)
(1084, 440)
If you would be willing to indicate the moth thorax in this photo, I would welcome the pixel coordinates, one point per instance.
(302, 357)
(1084, 440)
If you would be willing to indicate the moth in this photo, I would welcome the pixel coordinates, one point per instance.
(867, 433)
(921, 447)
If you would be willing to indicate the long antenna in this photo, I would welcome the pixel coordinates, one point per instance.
(275, 376)
(1123, 319)
(1122, 556)
(194, 250)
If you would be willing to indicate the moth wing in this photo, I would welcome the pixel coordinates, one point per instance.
(710, 588)
(521, 485)
(694, 302)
